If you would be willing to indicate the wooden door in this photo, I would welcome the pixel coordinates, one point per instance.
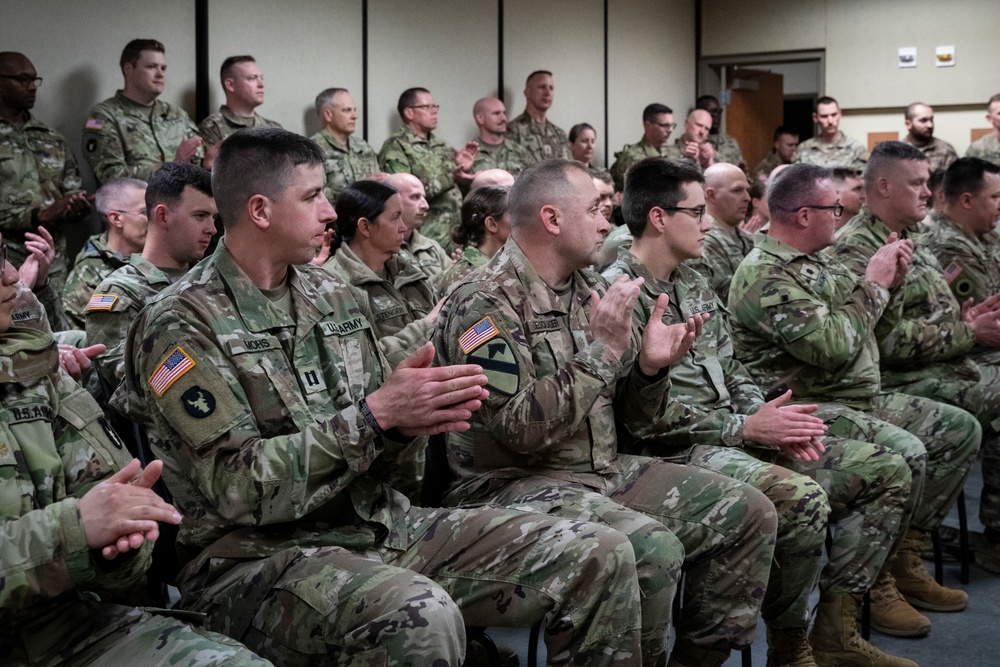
(755, 110)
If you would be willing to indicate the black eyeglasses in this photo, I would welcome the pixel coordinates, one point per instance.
(24, 79)
(433, 107)
(696, 212)
(669, 127)
(838, 208)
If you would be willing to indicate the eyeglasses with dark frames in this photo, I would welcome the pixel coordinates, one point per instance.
(24, 79)
(838, 208)
(693, 211)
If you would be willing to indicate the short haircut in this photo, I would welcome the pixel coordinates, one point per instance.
(886, 153)
(841, 174)
(111, 195)
(911, 110)
(130, 54)
(703, 100)
(258, 160)
(601, 175)
(166, 184)
(575, 131)
(793, 188)
(653, 110)
(407, 99)
(360, 199)
(826, 99)
(785, 129)
(537, 72)
(230, 62)
(966, 174)
(488, 202)
(935, 180)
(542, 183)
(995, 98)
(652, 182)
(326, 97)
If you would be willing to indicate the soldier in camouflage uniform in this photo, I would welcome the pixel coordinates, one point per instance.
(693, 146)
(831, 148)
(532, 129)
(424, 252)
(727, 427)
(348, 158)
(243, 84)
(786, 140)
(484, 229)
(495, 152)
(657, 124)
(132, 133)
(69, 514)
(121, 204)
(727, 195)
(726, 148)
(560, 373)
(275, 415)
(987, 147)
(39, 180)
(919, 121)
(413, 149)
(802, 321)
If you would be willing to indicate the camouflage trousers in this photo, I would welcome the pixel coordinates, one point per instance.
(938, 442)
(87, 632)
(331, 605)
(725, 529)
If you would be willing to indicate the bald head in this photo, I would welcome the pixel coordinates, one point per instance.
(16, 95)
(727, 193)
(490, 115)
(491, 177)
(697, 125)
(11, 59)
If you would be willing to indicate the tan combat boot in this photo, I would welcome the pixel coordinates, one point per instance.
(916, 583)
(686, 654)
(891, 614)
(835, 639)
(788, 647)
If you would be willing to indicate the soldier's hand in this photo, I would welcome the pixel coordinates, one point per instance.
(210, 152)
(754, 224)
(986, 329)
(63, 209)
(889, 261)
(187, 149)
(706, 155)
(35, 271)
(419, 399)
(121, 512)
(611, 316)
(970, 312)
(79, 205)
(692, 151)
(665, 344)
(323, 254)
(77, 360)
(790, 427)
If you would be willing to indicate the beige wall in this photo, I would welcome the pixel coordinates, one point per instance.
(731, 27)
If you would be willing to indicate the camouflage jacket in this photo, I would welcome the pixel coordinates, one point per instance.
(426, 254)
(727, 149)
(841, 152)
(95, 262)
(629, 155)
(715, 392)
(725, 247)
(675, 151)
(54, 446)
(543, 141)
(766, 166)
(805, 323)
(939, 153)
(507, 155)
(224, 122)
(344, 164)
(125, 138)
(36, 167)
(431, 160)
(126, 292)
(555, 391)
(470, 260)
(986, 147)
(921, 333)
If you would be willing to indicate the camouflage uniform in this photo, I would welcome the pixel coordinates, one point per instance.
(804, 323)
(727, 149)
(427, 255)
(766, 166)
(224, 122)
(545, 440)
(431, 160)
(123, 138)
(470, 260)
(345, 164)
(986, 147)
(724, 249)
(54, 446)
(629, 155)
(939, 153)
(867, 485)
(619, 238)
(295, 538)
(95, 262)
(843, 151)
(675, 151)
(543, 141)
(507, 155)
(36, 168)
(132, 286)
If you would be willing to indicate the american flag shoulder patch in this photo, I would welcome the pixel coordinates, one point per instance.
(951, 272)
(102, 302)
(94, 124)
(479, 333)
(170, 370)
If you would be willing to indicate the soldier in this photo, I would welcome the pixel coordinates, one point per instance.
(262, 371)
(78, 518)
(727, 427)
(348, 158)
(693, 145)
(727, 196)
(801, 321)
(181, 224)
(606, 191)
(495, 152)
(491, 177)
(243, 84)
(919, 121)
(563, 363)
(850, 193)
(583, 144)
(987, 147)
(831, 147)
(657, 124)
(413, 149)
(121, 204)
(532, 129)
(422, 251)
(132, 133)
(726, 148)
(786, 141)
(41, 183)
(484, 229)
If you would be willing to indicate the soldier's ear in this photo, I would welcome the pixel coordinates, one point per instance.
(115, 219)
(160, 215)
(259, 211)
(364, 227)
(551, 217)
(227, 84)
